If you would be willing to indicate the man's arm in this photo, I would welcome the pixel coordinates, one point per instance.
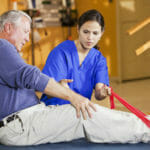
(80, 103)
(64, 83)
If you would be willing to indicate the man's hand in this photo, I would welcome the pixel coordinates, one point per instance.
(81, 104)
(102, 91)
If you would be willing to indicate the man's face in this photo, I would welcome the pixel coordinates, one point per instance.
(89, 34)
(19, 34)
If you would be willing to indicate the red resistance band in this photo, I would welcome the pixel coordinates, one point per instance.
(134, 110)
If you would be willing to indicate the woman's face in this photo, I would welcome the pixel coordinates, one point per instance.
(89, 34)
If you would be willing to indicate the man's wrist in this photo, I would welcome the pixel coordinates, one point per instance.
(70, 94)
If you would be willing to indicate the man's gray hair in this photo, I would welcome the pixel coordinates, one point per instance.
(12, 16)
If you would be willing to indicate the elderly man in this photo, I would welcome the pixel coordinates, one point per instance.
(26, 121)
(18, 80)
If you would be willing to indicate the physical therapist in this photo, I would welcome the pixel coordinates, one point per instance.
(78, 64)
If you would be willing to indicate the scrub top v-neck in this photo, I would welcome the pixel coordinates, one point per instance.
(75, 57)
(63, 63)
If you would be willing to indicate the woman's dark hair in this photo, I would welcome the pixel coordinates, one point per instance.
(92, 15)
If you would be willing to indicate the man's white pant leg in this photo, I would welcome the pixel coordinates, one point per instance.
(43, 124)
(112, 126)
(60, 124)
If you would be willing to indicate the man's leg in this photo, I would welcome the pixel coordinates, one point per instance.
(42, 124)
(112, 126)
(59, 124)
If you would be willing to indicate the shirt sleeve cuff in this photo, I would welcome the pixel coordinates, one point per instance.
(43, 81)
(102, 77)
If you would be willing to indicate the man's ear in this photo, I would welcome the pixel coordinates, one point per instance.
(8, 27)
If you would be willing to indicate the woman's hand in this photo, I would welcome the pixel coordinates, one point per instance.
(102, 91)
(64, 82)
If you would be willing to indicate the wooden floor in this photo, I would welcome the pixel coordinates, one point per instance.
(136, 93)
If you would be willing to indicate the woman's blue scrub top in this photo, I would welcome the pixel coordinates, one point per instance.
(63, 63)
